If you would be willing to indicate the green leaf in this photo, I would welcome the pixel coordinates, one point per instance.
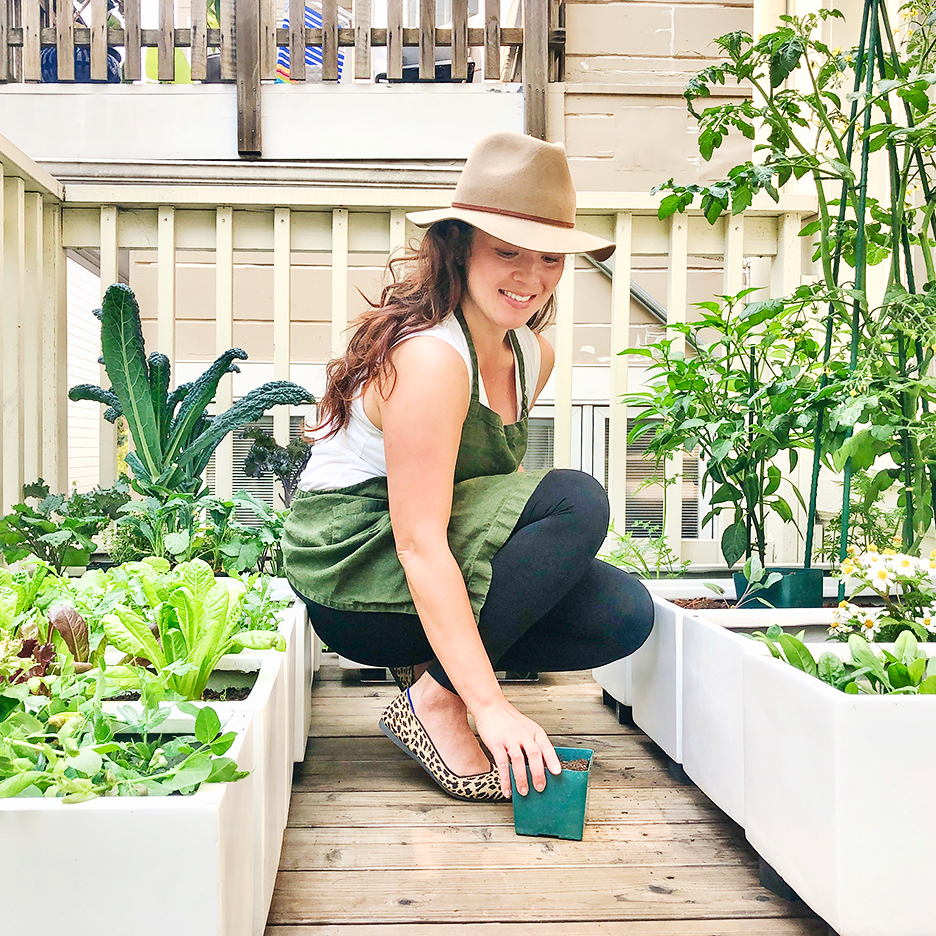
(797, 654)
(177, 543)
(905, 647)
(207, 725)
(927, 687)
(125, 363)
(830, 668)
(259, 640)
(917, 670)
(727, 492)
(197, 769)
(734, 542)
(87, 761)
(899, 676)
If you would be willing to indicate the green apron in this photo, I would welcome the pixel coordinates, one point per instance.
(338, 544)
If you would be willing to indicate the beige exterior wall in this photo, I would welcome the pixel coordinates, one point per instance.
(624, 119)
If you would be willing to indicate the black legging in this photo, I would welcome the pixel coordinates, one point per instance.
(552, 606)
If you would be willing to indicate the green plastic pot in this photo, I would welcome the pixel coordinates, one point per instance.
(798, 588)
(559, 811)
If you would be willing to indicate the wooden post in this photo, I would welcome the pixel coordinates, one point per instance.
(199, 52)
(427, 28)
(362, 39)
(329, 40)
(165, 282)
(267, 40)
(492, 40)
(166, 69)
(32, 70)
(132, 67)
(65, 42)
(339, 280)
(247, 27)
(535, 66)
(459, 40)
(394, 39)
(224, 339)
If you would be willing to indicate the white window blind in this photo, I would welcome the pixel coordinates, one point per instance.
(539, 453)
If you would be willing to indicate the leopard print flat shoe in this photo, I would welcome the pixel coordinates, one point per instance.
(400, 724)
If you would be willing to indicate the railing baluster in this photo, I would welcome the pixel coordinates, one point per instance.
(65, 43)
(676, 314)
(166, 69)
(535, 61)
(199, 53)
(297, 42)
(228, 61)
(282, 270)
(165, 281)
(362, 39)
(329, 40)
(31, 326)
(459, 40)
(54, 363)
(394, 39)
(565, 319)
(267, 40)
(339, 280)
(32, 69)
(427, 28)
(132, 67)
(4, 41)
(99, 40)
(620, 339)
(224, 339)
(492, 40)
(110, 274)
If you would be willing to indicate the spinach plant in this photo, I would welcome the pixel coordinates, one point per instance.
(908, 670)
(173, 436)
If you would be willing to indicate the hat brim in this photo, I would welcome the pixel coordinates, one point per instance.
(521, 232)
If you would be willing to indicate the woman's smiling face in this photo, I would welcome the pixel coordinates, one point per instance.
(509, 284)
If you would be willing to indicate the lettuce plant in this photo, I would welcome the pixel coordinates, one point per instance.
(69, 748)
(195, 626)
(173, 435)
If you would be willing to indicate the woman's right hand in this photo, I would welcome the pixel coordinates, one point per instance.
(513, 739)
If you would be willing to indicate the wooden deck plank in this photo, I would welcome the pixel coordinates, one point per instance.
(373, 847)
(451, 847)
(774, 927)
(542, 893)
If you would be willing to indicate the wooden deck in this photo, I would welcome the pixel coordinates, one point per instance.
(373, 848)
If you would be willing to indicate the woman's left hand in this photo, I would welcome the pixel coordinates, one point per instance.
(515, 740)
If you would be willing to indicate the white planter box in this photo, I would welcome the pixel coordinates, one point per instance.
(268, 709)
(147, 865)
(836, 798)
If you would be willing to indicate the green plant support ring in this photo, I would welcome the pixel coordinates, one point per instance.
(559, 811)
(799, 588)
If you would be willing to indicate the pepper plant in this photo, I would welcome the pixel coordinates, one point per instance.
(740, 397)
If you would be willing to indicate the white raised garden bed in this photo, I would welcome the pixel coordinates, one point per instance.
(147, 865)
(837, 798)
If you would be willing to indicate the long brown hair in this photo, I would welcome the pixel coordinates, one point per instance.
(426, 287)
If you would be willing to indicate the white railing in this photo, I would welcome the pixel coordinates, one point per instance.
(285, 221)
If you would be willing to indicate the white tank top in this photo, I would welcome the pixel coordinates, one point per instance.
(356, 452)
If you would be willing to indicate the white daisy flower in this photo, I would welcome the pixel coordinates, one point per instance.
(928, 619)
(883, 579)
(869, 624)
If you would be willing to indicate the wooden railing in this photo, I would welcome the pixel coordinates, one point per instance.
(247, 39)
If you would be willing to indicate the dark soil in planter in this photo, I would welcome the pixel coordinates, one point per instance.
(699, 604)
(232, 694)
(580, 764)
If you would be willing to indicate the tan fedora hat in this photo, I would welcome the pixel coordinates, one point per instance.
(519, 189)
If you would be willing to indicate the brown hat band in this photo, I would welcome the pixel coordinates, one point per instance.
(515, 214)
